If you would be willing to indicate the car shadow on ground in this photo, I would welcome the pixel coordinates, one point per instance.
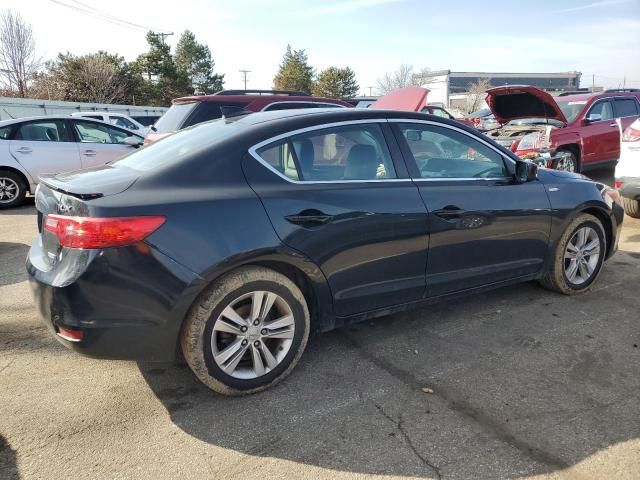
(12, 257)
(8, 465)
(524, 382)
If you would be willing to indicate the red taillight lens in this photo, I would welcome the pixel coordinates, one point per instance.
(88, 232)
(70, 334)
(631, 135)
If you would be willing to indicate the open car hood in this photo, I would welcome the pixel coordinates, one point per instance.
(409, 99)
(522, 101)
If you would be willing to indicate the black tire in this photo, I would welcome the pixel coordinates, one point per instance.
(197, 339)
(570, 158)
(631, 207)
(556, 278)
(9, 183)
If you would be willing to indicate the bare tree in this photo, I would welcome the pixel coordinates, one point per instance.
(402, 77)
(18, 60)
(477, 92)
(100, 79)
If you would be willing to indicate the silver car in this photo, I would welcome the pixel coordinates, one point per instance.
(34, 146)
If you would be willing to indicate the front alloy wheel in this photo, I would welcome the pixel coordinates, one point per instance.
(567, 162)
(581, 255)
(246, 332)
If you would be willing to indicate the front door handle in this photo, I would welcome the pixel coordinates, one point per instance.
(24, 150)
(449, 213)
(613, 125)
(309, 218)
(89, 153)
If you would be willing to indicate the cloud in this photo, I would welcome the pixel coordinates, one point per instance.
(588, 6)
(346, 6)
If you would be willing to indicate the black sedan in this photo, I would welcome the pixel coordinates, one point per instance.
(232, 240)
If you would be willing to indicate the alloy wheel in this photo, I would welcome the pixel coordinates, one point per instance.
(567, 163)
(9, 190)
(252, 335)
(581, 255)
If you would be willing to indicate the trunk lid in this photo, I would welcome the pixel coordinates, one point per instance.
(92, 182)
(522, 101)
(409, 99)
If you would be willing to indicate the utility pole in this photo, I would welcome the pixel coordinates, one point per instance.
(244, 74)
(370, 91)
(593, 82)
(164, 35)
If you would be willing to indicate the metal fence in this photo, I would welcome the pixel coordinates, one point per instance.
(28, 107)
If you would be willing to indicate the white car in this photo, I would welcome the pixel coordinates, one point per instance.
(117, 119)
(628, 170)
(34, 146)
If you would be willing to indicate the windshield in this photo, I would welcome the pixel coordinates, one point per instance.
(172, 120)
(175, 148)
(571, 109)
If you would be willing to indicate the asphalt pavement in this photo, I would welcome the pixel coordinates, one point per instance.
(516, 383)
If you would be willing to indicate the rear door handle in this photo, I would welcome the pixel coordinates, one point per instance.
(89, 153)
(449, 213)
(24, 150)
(309, 218)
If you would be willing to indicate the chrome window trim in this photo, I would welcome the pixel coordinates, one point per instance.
(253, 151)
(331, 105)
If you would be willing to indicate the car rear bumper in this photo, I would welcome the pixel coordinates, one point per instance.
(630, 187)
(128, 303)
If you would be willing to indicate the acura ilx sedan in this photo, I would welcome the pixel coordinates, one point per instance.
(231, 241)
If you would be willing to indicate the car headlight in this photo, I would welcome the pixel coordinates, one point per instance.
(610, 195)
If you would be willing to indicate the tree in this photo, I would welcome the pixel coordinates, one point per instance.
(18, 62)
(335, 82)
(401, 78)
(476, 95)
(195, 66)
(294, 73)
(98, 77)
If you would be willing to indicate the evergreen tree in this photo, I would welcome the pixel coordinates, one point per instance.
(335, 82)
(195, 66)
(294, 73)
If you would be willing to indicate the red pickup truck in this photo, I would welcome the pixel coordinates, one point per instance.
(583, 126)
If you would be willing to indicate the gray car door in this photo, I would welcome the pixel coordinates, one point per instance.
(44, 146)
(99, 143)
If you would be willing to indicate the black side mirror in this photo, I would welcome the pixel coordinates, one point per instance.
(526, 171)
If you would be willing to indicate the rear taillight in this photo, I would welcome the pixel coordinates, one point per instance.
(88, 232)
(631, 135)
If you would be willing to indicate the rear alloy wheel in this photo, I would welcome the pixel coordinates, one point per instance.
(567, 162)
(631, 207)
(247, 332)
(578, 256)
(12, 189)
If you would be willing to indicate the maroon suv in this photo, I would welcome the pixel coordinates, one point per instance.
(583, 126)
(187, 111)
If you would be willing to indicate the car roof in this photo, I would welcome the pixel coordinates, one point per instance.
(260, 100)
(579, 97)
(77, 114)
(41, 117)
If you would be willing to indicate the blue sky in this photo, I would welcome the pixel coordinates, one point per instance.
(600, 37)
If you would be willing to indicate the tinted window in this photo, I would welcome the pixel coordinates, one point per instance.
(173, 118)
(90, 132)
(446, 153)
(95, 117)
(626, 108)
(438, 112)
(207, 111)
(43, 131)
(5, 132)
(175, 148)
(603, 109)
(355, 152)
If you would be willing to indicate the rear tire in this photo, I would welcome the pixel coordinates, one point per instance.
(246, 332)
(13, 189)
(631, 207)
(575, 267)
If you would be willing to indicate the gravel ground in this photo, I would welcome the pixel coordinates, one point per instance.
(526, 384)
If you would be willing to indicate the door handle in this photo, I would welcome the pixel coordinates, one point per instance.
(89, 153)
(613, 125)
(24, 150)
(309, 218)
(449, 213)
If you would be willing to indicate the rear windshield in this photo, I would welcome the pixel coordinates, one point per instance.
(175, 148)
(173, 118)
(572, 109)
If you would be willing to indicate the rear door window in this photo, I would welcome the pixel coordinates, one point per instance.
(90, 132)
(42, 131)
(626, 107)
(207, 111)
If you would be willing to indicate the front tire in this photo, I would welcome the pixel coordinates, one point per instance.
(247, 331)
(631, 207)
(578, 256)
(13, 189)
(569, 162)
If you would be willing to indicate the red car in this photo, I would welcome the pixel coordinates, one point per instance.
(582, 126)
(414, 99)
(188, 111)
